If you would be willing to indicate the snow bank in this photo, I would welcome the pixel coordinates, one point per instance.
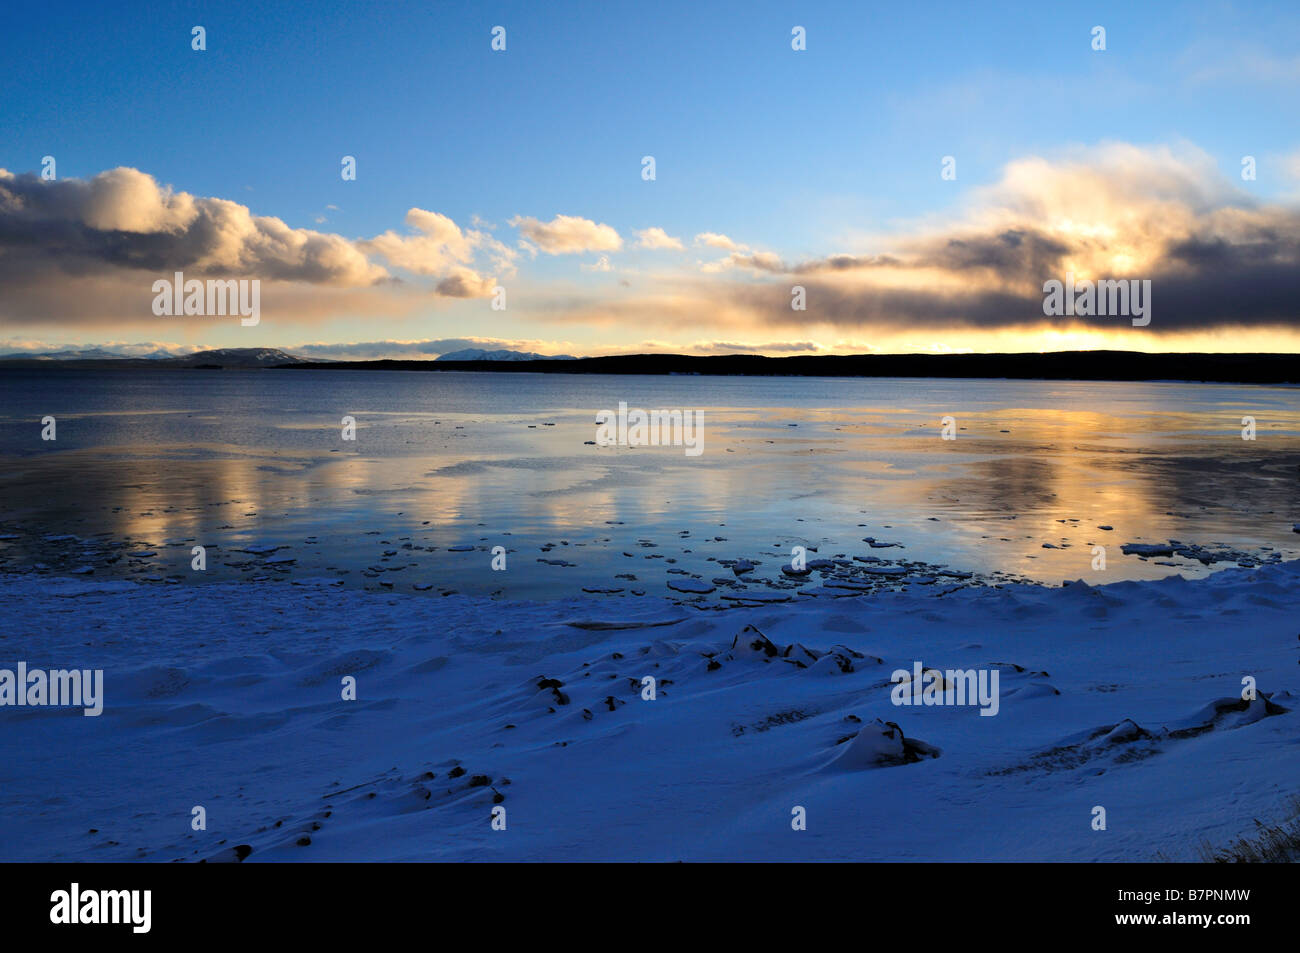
(643, 729)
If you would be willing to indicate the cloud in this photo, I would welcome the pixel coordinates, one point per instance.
(779, 347)
(419, 349)
(758, 261)
(568, 234)
(466, 283)
(442, 249)
(81, 251)
(123, 218)
(715, 240)
(439, 245)
(1221, 262)
(657, 238)
(1216, 256)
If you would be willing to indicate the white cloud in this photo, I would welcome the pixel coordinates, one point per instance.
(657, 238)
(443, 250)
(758, 261)
(715, 240)
(568, 234)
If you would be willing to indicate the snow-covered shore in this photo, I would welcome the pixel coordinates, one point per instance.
(227, 697)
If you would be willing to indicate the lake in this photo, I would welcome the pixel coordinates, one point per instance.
(157, 462)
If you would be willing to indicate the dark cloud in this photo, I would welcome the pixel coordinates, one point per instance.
(122, 219)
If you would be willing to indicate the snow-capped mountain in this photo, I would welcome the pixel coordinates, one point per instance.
(479, 354)
(240, 357)
(83, 354)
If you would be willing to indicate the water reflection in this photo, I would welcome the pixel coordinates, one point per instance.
(446, 460)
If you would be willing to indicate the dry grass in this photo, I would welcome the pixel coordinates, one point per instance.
(1271, 844)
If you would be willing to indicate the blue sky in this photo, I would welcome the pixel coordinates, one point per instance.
(805, 154)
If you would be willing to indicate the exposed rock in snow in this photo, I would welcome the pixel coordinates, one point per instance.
(881, 744)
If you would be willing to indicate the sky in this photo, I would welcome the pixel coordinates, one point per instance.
(913, 176)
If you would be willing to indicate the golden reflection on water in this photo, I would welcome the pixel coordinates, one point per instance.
(1014, 479)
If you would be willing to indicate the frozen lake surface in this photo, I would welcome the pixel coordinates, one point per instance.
(446, 466)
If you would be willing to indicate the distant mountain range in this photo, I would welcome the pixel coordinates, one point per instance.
(87, 354)
(238, 357)
(478, 354)
(249, 357)
(218, 357)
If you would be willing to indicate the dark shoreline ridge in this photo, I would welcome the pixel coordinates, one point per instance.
(1054, 365)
